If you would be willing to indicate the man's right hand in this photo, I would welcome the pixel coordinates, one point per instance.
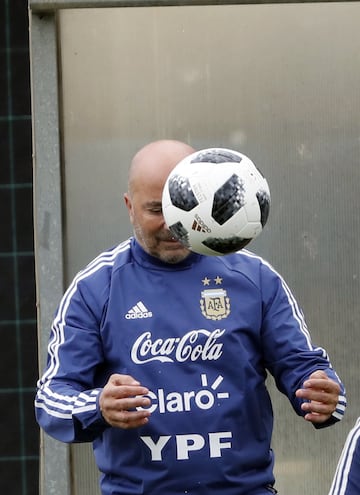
(119, 399)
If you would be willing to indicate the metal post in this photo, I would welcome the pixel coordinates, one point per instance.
(54, 465)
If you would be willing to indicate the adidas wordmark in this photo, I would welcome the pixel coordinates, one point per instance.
(138, 311)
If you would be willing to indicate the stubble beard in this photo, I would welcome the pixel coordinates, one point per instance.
(171, 257)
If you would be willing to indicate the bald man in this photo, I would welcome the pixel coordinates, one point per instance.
(159, 356)
(148, 172)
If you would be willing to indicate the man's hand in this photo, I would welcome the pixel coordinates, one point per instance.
(119, 400)
(322, 395)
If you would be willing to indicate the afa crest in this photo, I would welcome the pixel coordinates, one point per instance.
(214, 303)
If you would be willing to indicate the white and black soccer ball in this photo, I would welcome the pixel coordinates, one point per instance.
(215, 201)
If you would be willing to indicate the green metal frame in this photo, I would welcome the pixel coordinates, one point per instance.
(51, 6)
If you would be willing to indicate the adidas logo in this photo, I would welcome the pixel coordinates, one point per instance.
(138, 311)
(199, 226)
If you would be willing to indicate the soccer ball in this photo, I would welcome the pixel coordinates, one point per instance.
(215, 201)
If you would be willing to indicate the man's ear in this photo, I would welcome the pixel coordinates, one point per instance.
(128, 205)
(127, 200)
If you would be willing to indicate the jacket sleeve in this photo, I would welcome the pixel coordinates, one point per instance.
(67, 403)
(347, 475)
(290, 354)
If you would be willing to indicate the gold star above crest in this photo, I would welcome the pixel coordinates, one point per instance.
(206, 281)
(218, 280)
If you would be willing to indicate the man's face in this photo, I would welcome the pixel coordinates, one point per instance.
(148, 172)
(150, 230)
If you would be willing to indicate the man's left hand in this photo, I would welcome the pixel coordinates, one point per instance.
(321, 394)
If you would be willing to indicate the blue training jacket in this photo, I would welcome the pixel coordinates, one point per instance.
(347, 476)
(201, 336)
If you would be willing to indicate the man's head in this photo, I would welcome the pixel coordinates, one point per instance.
(148, 172)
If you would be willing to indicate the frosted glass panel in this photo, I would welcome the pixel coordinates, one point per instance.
(277, 82)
